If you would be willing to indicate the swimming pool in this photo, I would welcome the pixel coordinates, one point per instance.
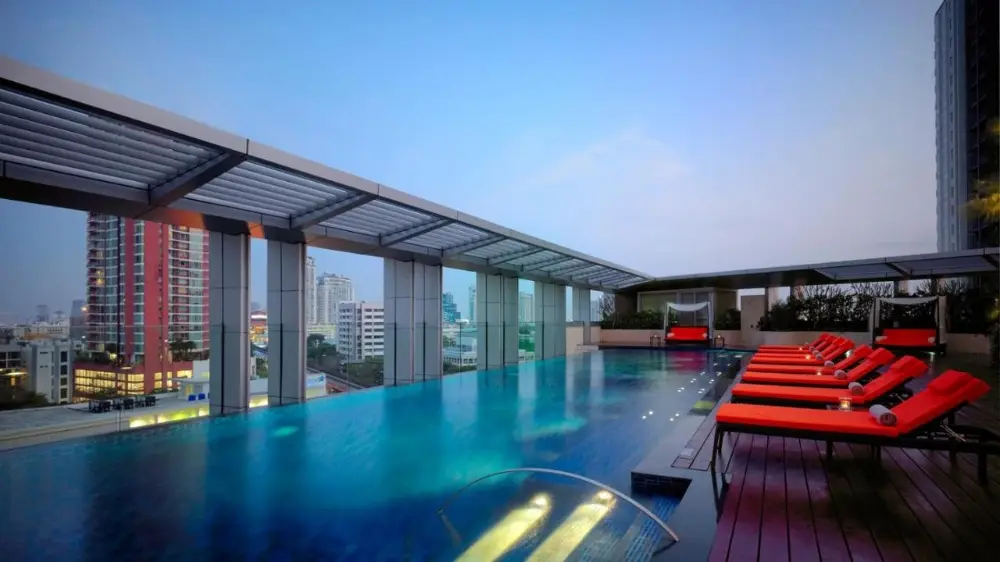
(353, 477)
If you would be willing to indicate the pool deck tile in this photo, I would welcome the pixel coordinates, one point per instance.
(783, 500)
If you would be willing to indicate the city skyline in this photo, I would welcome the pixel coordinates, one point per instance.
(544, 164)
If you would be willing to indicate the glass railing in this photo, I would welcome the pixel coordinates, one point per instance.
(539, 514)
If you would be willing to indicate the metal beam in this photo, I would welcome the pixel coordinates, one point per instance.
(571, 269)
(330, 210)
(605, 277)
(515, 255)
(545, 263)
(898, 269)
(412, 232)
(991, 259)
(471, 246)
(180, 186)
(587, 275)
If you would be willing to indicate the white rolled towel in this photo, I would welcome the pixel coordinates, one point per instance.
(930, 339)
(840, 374)
(881, 338)
(856, 388)
(829, 364)
(882, 415)
(818, 355)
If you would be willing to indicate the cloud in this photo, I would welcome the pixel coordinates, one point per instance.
(630, 198)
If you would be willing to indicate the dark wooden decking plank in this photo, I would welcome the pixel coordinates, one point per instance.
(774, 517)
(950, 515)
(857, 467)
(934, 527)
(981, 517)
(801, 530)
(859, 538)
(829, 536)
(730, 511)
(746, 533)
(965, 477)
(912, 532)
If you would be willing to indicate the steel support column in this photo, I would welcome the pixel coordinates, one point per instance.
(286, 323)
(229, 319)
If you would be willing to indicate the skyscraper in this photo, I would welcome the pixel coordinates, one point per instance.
(310, 283)
(147, 304)
(78, 319)
(331, 290)
(526, 308)
(472, 305)
(449, 310)
(360, 330)
(967, 91)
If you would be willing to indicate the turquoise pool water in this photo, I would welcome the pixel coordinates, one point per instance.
(352, 477)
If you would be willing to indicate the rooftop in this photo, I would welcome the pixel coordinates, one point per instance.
(74, 146)
(919, 266)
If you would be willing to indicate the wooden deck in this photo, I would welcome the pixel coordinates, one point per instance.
(785, 501)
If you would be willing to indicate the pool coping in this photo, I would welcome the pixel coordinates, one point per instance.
(695, 519)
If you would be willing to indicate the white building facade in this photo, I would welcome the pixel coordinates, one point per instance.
(360, 330)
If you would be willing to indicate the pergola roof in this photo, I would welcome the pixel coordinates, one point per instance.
(69, 145)
(921, 266)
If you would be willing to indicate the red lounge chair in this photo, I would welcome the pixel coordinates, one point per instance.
(883, 389)
(822, 347)
(922, 422)
(908, 338)
(687, 335)
(833, 353)
(856, 356)
(878, 358)
(821, 339)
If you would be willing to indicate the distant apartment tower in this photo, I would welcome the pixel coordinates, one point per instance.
(43, 366)
(78, 320)
(449, 310)
(311, 309)
(967, 92)
(147, 304)
(42, 314)
(360, 330)
(472, 305)
(331, 290)
(526, 308)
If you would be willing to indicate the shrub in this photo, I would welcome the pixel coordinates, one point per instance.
(729, 320)
(831, 308)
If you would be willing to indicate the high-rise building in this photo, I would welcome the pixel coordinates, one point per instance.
(967, 91)
(43, 313)
(43, 366)
(332, 290)
(449, 310)
(360, 330)
(310, 291)
(147, 305)
(526, 308)
(472, 305)
(78, 320)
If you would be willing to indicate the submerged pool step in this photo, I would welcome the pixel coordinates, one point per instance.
(566, 538)
(508, 532)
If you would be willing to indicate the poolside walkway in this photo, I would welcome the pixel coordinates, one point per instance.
(783, 501)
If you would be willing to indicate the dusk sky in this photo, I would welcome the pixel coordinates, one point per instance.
(670, 137)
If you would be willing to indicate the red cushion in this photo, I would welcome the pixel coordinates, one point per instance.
(908, 337)
(688, 333)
